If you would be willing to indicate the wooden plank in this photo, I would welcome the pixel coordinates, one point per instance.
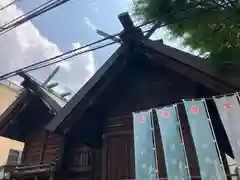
(41, 147)
(116, 151)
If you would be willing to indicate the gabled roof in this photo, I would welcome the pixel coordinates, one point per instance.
(50, 98)
(33, 98)
(182, 62)
(81, 94)
(191, 65)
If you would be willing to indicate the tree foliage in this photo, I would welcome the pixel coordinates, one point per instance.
(211, 26)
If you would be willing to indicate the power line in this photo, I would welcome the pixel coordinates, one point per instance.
(74, 55)
(27, 13)
(41, 63)
(47, 6)
(14, 23)
(50, 4)
(35, 65)
(8, 5)
(13, 73)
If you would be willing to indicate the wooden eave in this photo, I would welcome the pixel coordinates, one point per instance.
(12, 111)
(184, 63)
(190, 66)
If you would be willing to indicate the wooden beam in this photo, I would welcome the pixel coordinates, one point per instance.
(106, 35)
(130, 34)
(126, 21)
(55, 71)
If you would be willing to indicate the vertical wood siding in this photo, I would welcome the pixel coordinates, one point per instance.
(153, 88)
(42, 148)
(84, 163)
(147, 87)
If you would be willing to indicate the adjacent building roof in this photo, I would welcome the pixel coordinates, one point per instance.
(34, 106)
(11, 85)
(52, 99)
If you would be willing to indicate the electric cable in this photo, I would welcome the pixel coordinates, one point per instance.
(27, 13)
(50, 4)
(41, 64)
(26, 69)
(47, 6)
(8, 5)
(14, 73)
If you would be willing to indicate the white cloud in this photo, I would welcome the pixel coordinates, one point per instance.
(25, 45)
(82, 68)
(89, 55)
(90, 24)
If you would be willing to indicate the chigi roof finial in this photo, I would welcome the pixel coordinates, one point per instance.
(130, 32)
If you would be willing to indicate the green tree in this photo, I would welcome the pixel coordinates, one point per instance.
(211, 26)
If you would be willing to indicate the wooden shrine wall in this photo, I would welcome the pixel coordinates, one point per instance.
(82, 162)
(153, 88)
(148, 87)
(42, 148)
(118, 150)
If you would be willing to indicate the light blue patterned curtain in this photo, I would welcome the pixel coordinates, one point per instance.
(174, 152)
(206, 147)
(145, 160)
(229, 111)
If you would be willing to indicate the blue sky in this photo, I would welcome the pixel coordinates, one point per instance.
(77, 20)
(69, 26)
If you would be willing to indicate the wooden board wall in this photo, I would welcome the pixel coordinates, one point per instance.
(42, 148)
(118, 150)
(145, 87)
(82, 162)
(152, 88)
